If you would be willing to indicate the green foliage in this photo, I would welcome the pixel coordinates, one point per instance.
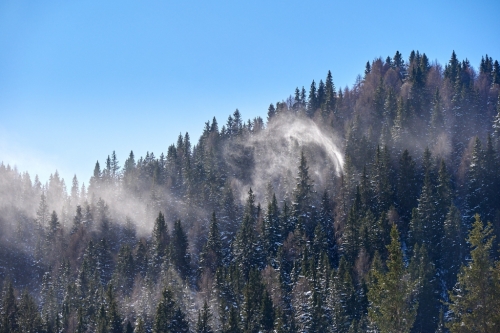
(392, 294)
(475, 299)
(301, 262)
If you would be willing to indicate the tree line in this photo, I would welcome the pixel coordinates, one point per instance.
(403, 239)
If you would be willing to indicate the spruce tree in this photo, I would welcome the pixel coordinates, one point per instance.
(302, 198)
(211, 255)
(29, 319)
(165, 312)
(178, 250)
(160, 242)
(271, 228)
(139, 326)
(475, 299)
(392, 296)
(312, 103)
(204, 317)
(10, 314)
(233, 322)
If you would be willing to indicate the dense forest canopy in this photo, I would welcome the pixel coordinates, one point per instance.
(371, 208)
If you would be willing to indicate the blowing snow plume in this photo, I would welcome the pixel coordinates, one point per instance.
(272, 156)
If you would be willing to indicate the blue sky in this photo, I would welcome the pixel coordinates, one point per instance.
(79, 79)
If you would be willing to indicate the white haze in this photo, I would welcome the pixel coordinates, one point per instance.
(276, 153)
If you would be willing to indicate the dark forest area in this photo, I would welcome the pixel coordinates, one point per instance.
(374, 208)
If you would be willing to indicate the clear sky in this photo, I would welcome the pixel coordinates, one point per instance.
(79, 79)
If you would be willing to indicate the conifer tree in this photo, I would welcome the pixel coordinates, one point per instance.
(252, 301)
(423, 271)
(124, 273)
(302, 198)
(392, 296)
(350, 239)
(475, 300)
(475, 182)
(160, 242)
(266, 312)
(178, 250)
(312, 103)
(165, 313)
(139, 326)
(247, 248)
(233, 322)
(211, 255)
(204, 317)
(452, 245)
(382, 189)
(271, 228)
(437, 117)
(330, 96)
(271, 112)
(9, 313)
(42, 214)
(29, 319)
(179, 322)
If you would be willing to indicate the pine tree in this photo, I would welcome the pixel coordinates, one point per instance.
(165, 312)
(452, 246)
(351, 242)
(330, 96)
(179, 322)
(204, 317)
(475, 182)
(271, 112)
(124, 274)
(382, 188)
(392, 296)
(211, 255)
(247, 248)
(496, 122)
(437, 117)
(271, 228)
(42, 214)
(267, 312)
(475, 299)
(29, 319)
(423, 271)
(312, 103)
(178, 250)
(160, 242)
(302, 198)
(252, 301)
(233, 322)
(139, 326)
(54, 227)
(10, 314)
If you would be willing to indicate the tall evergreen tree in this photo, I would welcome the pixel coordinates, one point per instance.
(204, 317)
(392, 295)
(178, 250)
(312, 103)
(303, 198)
(475, 300)
(211, 255)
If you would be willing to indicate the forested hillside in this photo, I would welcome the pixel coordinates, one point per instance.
(369, 208)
